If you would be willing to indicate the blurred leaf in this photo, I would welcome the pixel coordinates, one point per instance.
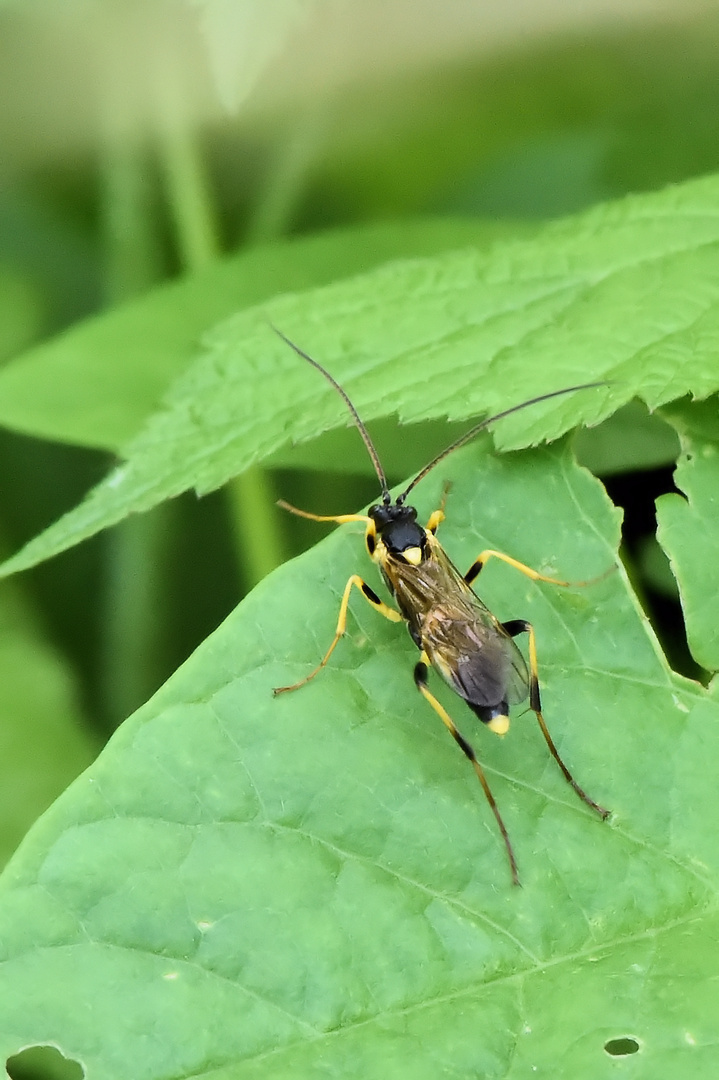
(314, 884)
(688, 528)
(97, 383)
(21, 312)
(46, 242)
(242, 37)
(542, 126)
(626, 292)
(404, 448)
(43, 746)
(550, 175)
(698, 419)
(631, 440)
(43, 741)
(655, 569)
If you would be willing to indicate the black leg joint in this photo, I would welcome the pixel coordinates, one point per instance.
(521, 626)
(473, 571)
(420, 674)
(371, 594)
(464, 745)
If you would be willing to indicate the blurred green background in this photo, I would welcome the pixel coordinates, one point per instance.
(144, 141)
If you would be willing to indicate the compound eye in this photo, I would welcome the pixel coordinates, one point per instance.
(380, 514)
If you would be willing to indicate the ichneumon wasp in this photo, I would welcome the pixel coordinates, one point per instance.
(455, 632)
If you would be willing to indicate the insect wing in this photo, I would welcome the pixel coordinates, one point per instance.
(465, 643)
(471, 649)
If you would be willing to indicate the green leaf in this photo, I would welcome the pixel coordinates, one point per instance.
(96, 384)
(631, 440)
(626, 292)
(21, 312)
(688, 528)
(242, 39)
(314, 885)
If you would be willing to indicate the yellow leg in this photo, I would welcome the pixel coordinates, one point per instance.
(484, 557)
(372, 598)
(435, 520)
(420, 678)
(339, 519)
(521, 626)
(437, 517)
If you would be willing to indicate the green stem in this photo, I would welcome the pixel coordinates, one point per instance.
(134, 633)
(273, 212)
(196, 227)
(252, 504)
(258, 539)
(129, 671)
(132, 252)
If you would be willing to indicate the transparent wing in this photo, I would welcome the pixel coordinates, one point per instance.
(465, 643)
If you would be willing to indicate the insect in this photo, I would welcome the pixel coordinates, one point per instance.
(455, 632)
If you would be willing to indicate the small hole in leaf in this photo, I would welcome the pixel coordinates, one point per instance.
(621, 1047)
(43, 1063)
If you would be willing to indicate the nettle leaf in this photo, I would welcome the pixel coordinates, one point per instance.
(626, 292)
(97, 383)
(313, 885)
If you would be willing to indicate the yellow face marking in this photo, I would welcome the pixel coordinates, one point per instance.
(412, 555)
(499, 725)
(379, 555)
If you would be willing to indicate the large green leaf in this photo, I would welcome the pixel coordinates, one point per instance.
(313, 885)
(627, 292)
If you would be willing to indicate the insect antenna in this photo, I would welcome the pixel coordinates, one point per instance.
(469, 435)
(374, 456)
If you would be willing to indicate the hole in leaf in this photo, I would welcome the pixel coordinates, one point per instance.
(43, 1063)
(636, 493)
(621, 1047)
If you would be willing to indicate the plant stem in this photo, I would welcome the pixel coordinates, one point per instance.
(287, 178)
(258, 539)
(129, 670)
